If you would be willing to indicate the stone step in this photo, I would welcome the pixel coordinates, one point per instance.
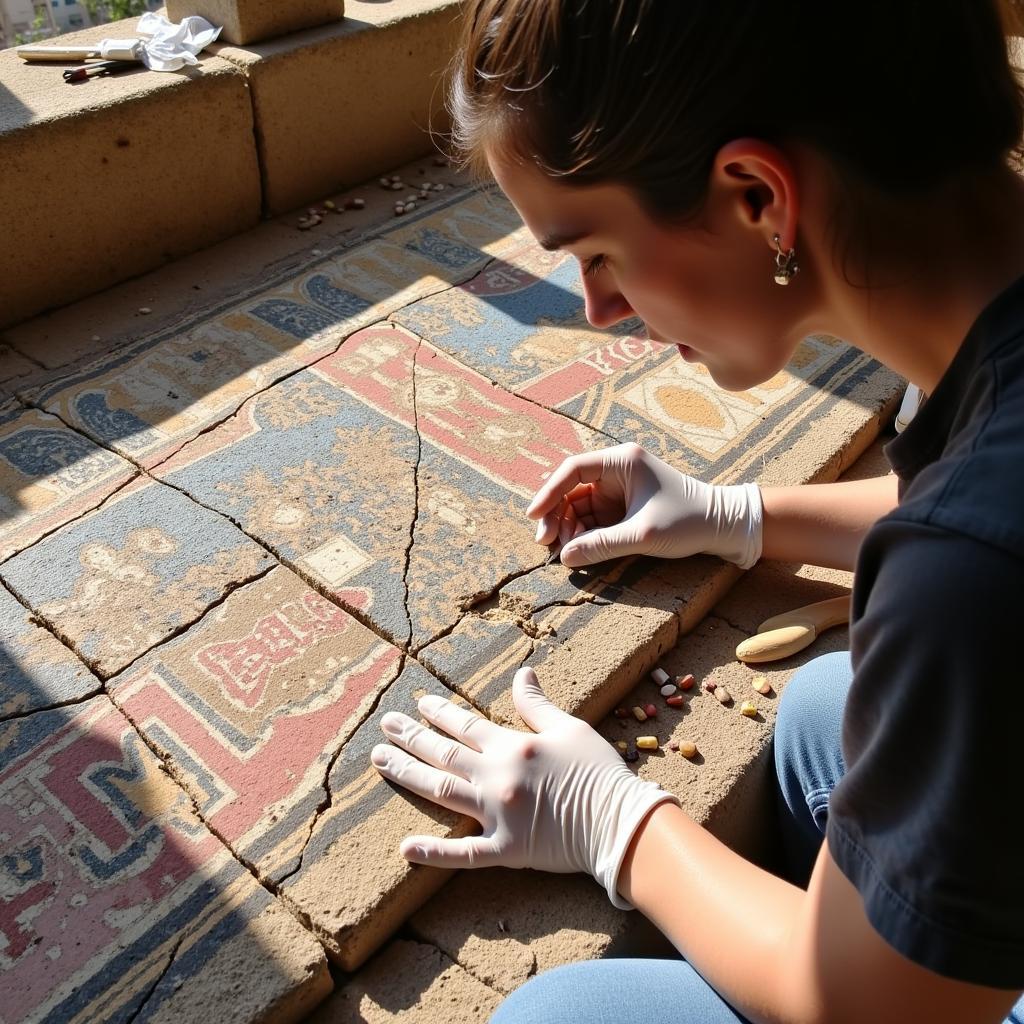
(151, 166)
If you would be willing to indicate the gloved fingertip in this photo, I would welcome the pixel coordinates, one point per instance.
(526, 676)
(573, 555)
(412, 850)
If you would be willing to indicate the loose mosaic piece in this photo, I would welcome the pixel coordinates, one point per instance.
(148, 400)
(389, 475)
(127, 575)
(250, 706)
(49, 475)
(118, 903)
(36, 670)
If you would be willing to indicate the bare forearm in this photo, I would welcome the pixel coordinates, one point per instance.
(710, 902)
(824, 524)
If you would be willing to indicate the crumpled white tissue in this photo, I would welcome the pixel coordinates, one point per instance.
(162, 45)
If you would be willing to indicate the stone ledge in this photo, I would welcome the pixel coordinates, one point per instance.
(135, 150)
(155, 166)
(338, 104)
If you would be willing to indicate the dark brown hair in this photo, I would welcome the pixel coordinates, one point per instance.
(901, 95)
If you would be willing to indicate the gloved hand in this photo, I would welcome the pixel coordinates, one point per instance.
(561, 800)
(625, 501)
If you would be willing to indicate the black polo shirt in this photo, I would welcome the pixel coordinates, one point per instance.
(927, 822)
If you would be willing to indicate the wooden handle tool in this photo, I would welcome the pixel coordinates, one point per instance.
(783, 635)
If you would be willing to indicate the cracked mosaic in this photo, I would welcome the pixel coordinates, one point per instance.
(333, 471)
(250, 706)
(36, 670)
(49, 475)
(115, 894)
(129, 574)
(149, 400)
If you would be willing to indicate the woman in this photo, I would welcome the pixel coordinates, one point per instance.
(696, 156)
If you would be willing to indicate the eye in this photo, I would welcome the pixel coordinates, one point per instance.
(593, 265)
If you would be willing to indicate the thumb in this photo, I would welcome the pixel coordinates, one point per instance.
(532, 703)
(469, 852)
(601, 544)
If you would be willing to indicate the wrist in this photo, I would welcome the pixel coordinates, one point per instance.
(737, 514)
(630, 804)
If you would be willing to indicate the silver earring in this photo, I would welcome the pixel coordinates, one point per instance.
(786, 266)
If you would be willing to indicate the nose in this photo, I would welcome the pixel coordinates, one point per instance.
(605, 305)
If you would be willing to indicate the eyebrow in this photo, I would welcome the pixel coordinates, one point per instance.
(555, 242)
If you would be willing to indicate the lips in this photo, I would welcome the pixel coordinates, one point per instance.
(686, 352)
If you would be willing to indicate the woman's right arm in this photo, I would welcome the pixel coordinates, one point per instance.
(625, 501)
(824, 524)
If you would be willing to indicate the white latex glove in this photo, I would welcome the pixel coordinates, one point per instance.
(561, 800)
(625, 501)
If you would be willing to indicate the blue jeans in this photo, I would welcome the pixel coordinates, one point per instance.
(808, 764)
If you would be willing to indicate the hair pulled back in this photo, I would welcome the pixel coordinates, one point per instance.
(901, 95)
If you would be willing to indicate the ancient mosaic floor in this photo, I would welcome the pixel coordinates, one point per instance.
(228, 549)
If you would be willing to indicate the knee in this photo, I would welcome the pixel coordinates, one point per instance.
(811, 708)
(542, 999)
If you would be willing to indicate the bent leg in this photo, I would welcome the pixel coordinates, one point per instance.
(612, 991)
(808, 755)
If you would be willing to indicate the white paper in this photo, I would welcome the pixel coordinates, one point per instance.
(163, 46)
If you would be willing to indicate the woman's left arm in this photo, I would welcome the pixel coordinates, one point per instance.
(777, 954)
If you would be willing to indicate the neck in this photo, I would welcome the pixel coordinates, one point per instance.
(958, 254)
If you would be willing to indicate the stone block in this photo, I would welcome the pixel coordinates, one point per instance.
(412, 983)
(252, 21)
(249, 708)
(119, 904)
(141, 567)
(339, 104)
(505, 926)
(148, 399)
(353, 888)
(388, 475)
(36, 670)
(147, 166)
(49, 475)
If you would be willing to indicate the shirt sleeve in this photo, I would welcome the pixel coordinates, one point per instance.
(926, 822)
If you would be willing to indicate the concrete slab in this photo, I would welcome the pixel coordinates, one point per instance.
(529, 308)
(49, 475)
(340, 103)
(36, 670)
(353, 888)
(249, 708)
(119, 904)
(413, 983)
(250, 21)
(389, 476)
(121, 579)
(147, 400)
(551, 920)
(144, 145)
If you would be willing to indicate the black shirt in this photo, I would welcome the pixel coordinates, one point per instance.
(927, 821)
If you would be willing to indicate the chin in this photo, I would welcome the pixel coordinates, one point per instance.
(736, 380)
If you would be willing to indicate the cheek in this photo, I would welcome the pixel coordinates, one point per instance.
(703, 302)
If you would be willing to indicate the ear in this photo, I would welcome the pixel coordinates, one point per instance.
(763, 186)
